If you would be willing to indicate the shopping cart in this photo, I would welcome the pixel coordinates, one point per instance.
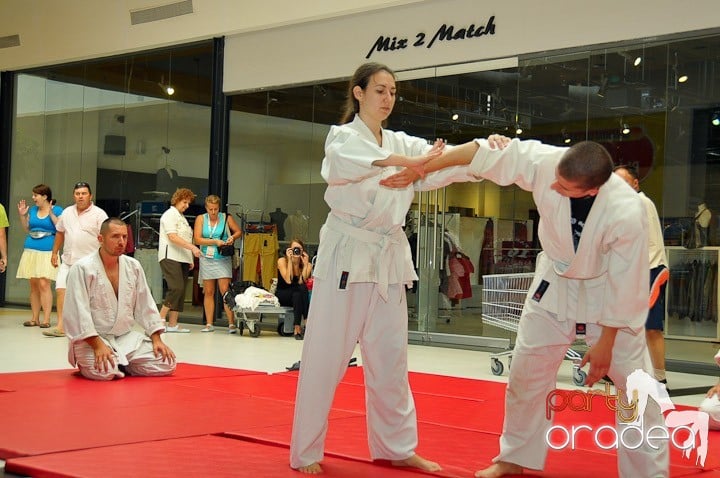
(503, 299)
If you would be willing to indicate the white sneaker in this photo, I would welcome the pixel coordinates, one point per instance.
(232, 329)
(208, 328)
(177, 329)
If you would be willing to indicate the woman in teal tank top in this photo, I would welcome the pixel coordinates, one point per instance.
(212, 230)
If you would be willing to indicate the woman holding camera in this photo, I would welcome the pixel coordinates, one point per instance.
(293, 271)
(215, 232)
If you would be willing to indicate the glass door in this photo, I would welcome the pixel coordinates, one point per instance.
(448, 228)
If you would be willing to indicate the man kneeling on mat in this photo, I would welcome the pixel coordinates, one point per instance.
(106, 294)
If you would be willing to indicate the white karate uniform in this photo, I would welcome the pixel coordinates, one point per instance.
(603, 283)
(711, 405)
(92, 309)
(362, 243)
(656, 245)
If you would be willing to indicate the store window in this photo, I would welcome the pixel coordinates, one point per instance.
(276, 147)
(653, 105)
(134, 127)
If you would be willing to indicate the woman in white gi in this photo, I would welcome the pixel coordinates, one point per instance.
(363, 265)
(593, 272)
(106, 296)
(175, 254)
(212, 230)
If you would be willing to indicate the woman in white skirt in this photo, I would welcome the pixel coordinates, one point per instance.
(39, 222)
(213, 230)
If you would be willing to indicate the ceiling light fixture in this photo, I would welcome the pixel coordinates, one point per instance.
(566, 137)
(715, 121)
(625, 129)
(518, 130)
(455, 116)
(166, 88)
(637, 61)
(683, 79)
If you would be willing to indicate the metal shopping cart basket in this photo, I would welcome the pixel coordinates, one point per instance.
(503, 299)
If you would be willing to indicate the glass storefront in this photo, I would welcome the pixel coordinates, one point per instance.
(651, 105)
(115, 124)
(655, 105)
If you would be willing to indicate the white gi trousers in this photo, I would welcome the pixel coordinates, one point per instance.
(140, 360)
(539, 350)
(337, 320)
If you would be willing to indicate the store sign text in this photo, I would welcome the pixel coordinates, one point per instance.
(444, 33)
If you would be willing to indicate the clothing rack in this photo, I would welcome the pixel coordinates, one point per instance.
(252, 221)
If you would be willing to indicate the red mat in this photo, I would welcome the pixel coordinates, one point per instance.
(439, 385)
(131, 410)
(60, 378)
(213, 456)
(459, 451)
(459, 422)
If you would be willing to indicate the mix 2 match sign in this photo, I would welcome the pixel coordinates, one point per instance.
(443, 34)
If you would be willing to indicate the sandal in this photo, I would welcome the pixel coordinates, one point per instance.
(30, 323)
(45, 325)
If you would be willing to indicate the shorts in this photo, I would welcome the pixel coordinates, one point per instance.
(61, 279)
(656, 315)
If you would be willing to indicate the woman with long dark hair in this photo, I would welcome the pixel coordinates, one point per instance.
(362, 270)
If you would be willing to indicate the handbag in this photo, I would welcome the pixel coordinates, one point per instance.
(226, 250)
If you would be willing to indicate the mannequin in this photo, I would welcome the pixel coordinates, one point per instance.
(166, 178)
(278, 218)
(702, 222)
(297, 225)
(703, 215)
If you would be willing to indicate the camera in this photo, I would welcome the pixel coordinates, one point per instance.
(296, 251)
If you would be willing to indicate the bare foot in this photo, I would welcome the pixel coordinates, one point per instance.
(501, 468)
(416, 461)
(313, 469)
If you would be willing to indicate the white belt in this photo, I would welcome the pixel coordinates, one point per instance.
(385, 241)
(563, 283)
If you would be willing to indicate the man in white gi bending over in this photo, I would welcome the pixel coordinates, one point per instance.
(591, 277)
(106, 294)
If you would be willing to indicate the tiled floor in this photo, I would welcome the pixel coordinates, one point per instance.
(26, 349)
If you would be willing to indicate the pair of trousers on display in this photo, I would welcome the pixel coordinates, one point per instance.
(261, 249)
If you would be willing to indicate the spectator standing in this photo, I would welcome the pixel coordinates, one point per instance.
(77, 233)
(659, 275)
(213, 230)
(39, 222)
(176, 254)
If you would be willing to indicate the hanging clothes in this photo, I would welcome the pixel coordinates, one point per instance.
(487, 261)
(260, 254)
